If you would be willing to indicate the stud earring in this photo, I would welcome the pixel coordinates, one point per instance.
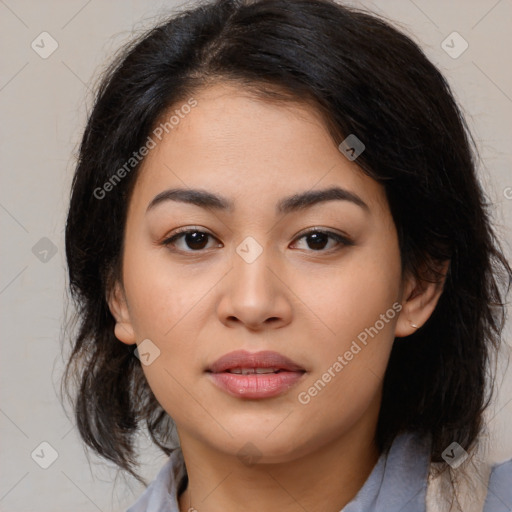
(415, 326)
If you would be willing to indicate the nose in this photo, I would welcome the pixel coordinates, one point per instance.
(255, 294)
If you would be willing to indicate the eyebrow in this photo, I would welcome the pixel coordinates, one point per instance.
(286, 205)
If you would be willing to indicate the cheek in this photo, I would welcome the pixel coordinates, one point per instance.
(358, 308)
(352, 298)
(163, 298)
(165, 305)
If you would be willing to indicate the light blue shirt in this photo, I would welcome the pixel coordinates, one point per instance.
(397, 483)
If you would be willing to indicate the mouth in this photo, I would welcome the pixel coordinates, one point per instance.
(254, 362)
(250, 371)
(257, 375)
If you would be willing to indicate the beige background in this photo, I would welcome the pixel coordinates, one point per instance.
(43, 104)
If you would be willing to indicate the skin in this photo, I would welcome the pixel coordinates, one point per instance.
(297, 298)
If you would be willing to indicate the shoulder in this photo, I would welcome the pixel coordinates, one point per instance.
(161, 494)
(499, 492)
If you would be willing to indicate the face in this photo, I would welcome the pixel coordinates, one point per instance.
(316, 280)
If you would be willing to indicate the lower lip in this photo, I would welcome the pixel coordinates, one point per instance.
(262, 385)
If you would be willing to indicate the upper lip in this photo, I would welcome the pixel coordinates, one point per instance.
(244, 359)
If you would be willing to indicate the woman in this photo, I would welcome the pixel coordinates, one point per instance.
(278, 245)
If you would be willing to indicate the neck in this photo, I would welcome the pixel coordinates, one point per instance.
(325, 479)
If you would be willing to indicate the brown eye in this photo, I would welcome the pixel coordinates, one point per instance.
(317, 240)
(188, 240)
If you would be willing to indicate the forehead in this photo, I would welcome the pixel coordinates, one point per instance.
(249, 149)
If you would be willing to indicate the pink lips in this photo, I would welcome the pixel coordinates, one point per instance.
(255, 375)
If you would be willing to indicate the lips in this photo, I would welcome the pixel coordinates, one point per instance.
(255, 375)
(265, 360)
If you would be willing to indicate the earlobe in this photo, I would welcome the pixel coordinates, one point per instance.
(123, 329)
(420, 298)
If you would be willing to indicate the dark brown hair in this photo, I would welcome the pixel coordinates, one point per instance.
(366, 78)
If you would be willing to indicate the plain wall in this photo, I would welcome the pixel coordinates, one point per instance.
(43, 106)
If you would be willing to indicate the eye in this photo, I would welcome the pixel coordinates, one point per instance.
(195, 240)
(192, 238)
(317, 239)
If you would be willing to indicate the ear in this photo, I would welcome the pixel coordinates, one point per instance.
(420, 298)
(119, 308)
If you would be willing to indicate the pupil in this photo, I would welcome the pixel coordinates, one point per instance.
(319, 240)
(196, 240)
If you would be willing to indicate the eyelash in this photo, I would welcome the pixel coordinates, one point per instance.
(341, 239)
